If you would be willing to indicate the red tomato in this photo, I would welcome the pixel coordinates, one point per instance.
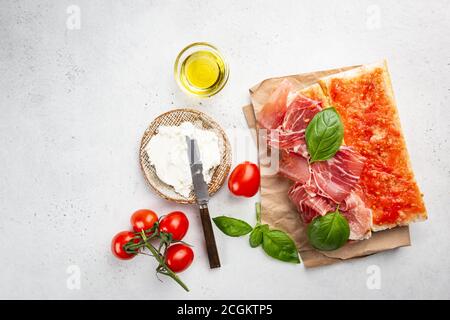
(244, 180)
(143, 220)
(179, 257)
(119, 241)
(175, 223)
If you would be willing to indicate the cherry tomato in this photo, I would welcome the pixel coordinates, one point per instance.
(143, 220)
(175, 223)
(244, 180)
(119, 241)
(179, 257)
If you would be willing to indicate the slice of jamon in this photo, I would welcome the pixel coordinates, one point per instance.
(309, 203)
(272, 113)
(294, 167)
(283, 140)
(291, 135)
(299, 113)
(359, 216)
(337, 176)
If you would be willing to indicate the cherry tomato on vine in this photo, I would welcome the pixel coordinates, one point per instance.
(179, 257)
(143, 220)
(175, 223)
(119, 241)
(244, 180)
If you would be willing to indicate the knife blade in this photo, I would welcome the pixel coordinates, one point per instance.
(202, 198)
(196, 165)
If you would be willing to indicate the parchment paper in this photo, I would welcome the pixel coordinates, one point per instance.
(279, 212)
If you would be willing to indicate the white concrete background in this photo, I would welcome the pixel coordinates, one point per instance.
(74, 104)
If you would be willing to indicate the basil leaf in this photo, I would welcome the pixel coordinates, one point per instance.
(232, 227)
(279, 245)
(256, 237)
(324, 135)
(328, 232)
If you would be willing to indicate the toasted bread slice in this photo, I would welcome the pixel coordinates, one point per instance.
(364, 98)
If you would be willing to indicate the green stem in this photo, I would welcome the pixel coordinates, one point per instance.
(258, 212)
(167, 272)
(134, 245)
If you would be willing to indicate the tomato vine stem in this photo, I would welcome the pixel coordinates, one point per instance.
(165, 269)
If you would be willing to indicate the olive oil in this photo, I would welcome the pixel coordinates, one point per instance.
(202, 70)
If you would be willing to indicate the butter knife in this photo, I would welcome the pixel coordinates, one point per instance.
(202, 198)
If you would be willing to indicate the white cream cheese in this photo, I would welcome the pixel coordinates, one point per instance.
(167, 152)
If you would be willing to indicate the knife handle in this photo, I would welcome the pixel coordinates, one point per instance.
(213, 255)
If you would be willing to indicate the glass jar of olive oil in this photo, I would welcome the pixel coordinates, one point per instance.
(200, 69)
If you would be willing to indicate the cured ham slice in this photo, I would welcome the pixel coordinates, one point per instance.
(272, 113)
(294, 167)
(358, 215)
(299, 113)
(319, 187)
(337, 176)
(286, 140)
(291, 135)
(309, 204)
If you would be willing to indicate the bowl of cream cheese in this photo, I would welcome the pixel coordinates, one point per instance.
(163, 154)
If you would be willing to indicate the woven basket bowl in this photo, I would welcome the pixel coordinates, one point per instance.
(175, 118)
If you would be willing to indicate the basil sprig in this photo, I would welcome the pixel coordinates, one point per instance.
(324, 135)
(328, 232)
(275, 243)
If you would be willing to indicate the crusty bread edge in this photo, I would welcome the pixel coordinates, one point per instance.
(420, 216)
